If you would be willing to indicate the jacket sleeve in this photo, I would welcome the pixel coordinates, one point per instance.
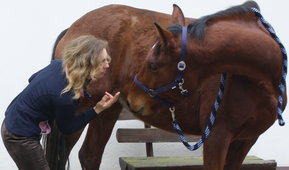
(68, 122)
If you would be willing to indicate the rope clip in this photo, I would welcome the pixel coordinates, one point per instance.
(183, 91)
(172, 110)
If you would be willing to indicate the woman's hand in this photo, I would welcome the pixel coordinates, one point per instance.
(106, 101)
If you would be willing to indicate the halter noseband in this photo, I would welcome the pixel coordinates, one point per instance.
(179, 80)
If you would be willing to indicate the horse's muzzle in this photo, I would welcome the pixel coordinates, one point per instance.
(138, 112)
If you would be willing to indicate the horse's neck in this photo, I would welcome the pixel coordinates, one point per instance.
(241, 51)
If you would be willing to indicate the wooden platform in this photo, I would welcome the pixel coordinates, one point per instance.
(186, 163)
(283, 168)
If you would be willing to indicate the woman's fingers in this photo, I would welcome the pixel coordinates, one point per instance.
(111, 99)
(115, 97)
(106, 101)
(108, 94)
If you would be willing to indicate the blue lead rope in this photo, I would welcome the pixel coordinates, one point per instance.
(282, 84)
(211, 123)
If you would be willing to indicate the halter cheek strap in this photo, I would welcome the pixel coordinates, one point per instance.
(182, 64)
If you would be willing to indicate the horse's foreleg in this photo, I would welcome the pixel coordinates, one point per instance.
(215, 149)
(98, 134)
(237, 153)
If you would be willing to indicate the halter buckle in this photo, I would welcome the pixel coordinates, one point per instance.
(152, 93)
(181, 65)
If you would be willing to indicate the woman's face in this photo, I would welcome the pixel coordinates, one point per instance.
(102, 66)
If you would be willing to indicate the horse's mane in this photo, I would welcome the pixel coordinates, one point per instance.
(197, 28)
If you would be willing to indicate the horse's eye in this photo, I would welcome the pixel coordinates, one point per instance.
(153, 67)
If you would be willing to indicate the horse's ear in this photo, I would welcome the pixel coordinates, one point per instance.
(178, 16)
(165, 34)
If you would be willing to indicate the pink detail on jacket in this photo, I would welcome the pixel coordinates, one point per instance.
(45, 127)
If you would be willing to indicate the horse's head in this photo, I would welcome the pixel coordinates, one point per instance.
(159, 84)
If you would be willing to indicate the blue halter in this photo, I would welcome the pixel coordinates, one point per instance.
(179, 80)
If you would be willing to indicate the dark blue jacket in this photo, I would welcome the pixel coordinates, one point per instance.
(42, 100)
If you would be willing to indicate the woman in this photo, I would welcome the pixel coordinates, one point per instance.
(52, 94)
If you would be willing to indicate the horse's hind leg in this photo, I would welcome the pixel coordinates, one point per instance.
(97, 136)
(237, 153)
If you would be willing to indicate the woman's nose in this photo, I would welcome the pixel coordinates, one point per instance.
(106, 65)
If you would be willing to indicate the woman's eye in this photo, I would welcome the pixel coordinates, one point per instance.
(153, 67)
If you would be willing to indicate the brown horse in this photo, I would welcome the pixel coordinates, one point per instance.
(233, 42)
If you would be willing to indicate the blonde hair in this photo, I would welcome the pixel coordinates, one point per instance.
(80, 57)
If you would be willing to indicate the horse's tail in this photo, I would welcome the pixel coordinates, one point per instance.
(55, 143)
(56, 42)
(56, 149)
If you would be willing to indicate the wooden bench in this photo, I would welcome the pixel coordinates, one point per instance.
(148, 136)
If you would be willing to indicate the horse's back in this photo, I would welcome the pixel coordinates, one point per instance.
(116, 24)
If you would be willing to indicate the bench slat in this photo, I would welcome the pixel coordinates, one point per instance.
(149, 135)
